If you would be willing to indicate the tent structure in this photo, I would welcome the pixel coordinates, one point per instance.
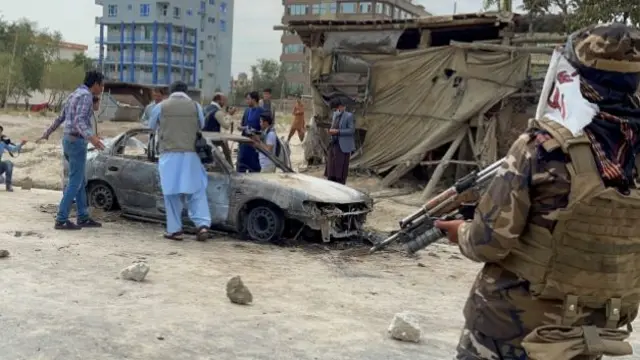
(418, 85)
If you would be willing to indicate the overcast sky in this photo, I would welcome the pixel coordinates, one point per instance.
(253, 35)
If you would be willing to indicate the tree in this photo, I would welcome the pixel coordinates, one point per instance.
(25, 52)
(575, 14)
(62, 77)
(82, 61)
(266, 73)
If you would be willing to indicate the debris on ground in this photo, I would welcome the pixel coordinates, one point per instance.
(405, 327)
(26, 184)
(237, 292)
(4, 253)
(136, 271)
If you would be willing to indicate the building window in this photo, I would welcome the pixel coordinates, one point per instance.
(293, 67)
(387, 10)
(223, 8)
(129, 7)
(316, 9)
(293, 49)
(348, 8)
(366, 7)
(189, 12)
(144, 9)
(211, 20)
(379, 8)
(176, 12)
(223, 25)
(200, 83)
(295, 88)
(112, 10)
(331, 8)
(297, 10)
(212, 2)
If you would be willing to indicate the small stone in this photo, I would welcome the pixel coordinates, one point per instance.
(27, 183)
(160, 337)
(405, 327)
(4, 253)
(136, 271)
(237, 292)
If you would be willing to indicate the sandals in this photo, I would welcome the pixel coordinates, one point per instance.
(203, 233)
(176, 236)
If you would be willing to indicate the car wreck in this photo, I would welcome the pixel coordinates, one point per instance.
(259, 206)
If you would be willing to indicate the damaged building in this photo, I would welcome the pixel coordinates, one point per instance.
(426, 92)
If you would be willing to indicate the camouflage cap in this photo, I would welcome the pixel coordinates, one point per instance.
(609, 47)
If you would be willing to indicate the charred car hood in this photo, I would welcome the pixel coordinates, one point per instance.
(316, 189)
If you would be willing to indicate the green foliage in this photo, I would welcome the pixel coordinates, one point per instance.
(82, 61)
(26, 53)
(574, 14)
(266, 73)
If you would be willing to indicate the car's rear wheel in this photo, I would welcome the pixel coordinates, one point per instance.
(264, 223)
(101, 196)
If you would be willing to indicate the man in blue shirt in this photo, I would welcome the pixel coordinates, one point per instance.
(248, 156)
(6, 166)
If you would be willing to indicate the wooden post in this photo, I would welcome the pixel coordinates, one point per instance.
(500, 48)
(437, 174)
(480, 138)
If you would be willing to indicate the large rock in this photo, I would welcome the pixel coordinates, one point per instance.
(26, 184)
(405, 327)
(4, 253)
(136, 271)
(237, 292)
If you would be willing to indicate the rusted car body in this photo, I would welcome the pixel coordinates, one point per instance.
(260, 206)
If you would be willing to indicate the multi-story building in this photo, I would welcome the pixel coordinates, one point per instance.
(67, 50)
(294, 57)
(157, 42)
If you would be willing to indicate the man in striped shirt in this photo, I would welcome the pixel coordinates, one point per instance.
(78, 131)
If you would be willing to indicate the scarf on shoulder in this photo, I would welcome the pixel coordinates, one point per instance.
(615, 131)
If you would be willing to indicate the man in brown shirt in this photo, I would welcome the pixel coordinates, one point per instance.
(298, 125)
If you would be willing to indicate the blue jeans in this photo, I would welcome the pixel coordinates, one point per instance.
(6, 169)
(75, 149)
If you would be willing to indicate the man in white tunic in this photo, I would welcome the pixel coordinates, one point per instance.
(177, 120)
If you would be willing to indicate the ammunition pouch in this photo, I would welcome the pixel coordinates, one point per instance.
(558, 342)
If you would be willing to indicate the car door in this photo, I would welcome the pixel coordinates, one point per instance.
(135, 178)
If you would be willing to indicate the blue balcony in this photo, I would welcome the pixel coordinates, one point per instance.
(163, 40)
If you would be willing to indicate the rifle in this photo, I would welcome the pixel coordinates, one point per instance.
(417, 230)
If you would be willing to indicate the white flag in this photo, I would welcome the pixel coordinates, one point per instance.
(561, 99)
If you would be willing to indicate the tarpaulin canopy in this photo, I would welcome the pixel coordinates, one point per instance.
(422, 99)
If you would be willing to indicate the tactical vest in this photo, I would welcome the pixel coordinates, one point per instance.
(592, 256)
(179, 125)
(211, 123)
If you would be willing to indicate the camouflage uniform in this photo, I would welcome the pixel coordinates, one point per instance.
(531, 188)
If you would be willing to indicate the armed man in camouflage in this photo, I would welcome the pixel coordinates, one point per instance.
(559, 226)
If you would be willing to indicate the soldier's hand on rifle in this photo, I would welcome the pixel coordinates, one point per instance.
(450, 228)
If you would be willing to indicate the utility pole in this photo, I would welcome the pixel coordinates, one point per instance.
(10, 71)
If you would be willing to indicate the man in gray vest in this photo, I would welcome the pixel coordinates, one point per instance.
(266, 104)
(178, 119)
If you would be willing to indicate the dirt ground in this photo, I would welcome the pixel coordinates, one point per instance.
(61, 297)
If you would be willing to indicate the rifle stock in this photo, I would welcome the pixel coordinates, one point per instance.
(457, 202)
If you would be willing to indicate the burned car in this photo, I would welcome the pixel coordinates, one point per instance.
(260, 206)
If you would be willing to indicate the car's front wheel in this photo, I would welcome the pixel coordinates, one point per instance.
(264, 223)
(101, 196)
